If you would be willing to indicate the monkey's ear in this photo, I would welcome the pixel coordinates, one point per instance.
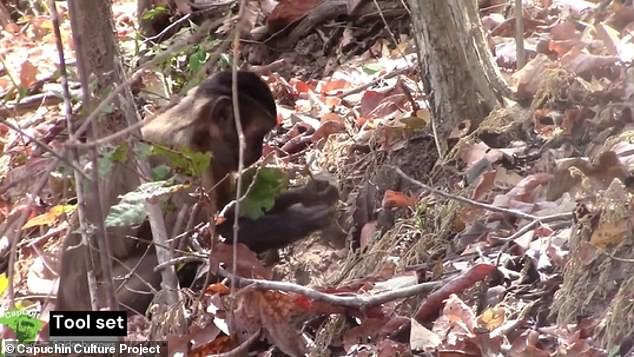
(222, 111)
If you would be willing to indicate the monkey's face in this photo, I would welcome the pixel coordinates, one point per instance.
(219, 135)
(225, 149)
(204, 120)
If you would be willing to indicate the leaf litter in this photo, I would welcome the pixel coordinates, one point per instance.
(511, 285)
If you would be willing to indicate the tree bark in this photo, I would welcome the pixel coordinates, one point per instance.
(94, 45)
(458, 71)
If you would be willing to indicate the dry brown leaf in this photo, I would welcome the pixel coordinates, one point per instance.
(331, 123)
(566, 30)
(274, 311)
(526, 345)
(367, 233)
(525, 191)
(288, 11)
(248, 266)
(528, 80)
(372, 99)
(492, 318)
(219, 288)
(364, 333)
(609, 37)
(421, 338)
(49, 217)
(28, 74)
(484, 185)
(615, 222)
(579, 175)
(397, 199)
(587, 64)
(332, 87)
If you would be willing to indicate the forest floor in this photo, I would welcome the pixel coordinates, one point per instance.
(522, 232)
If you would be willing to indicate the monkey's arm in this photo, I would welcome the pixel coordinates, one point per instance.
(278, 229)
(296, 213)
(315, 192)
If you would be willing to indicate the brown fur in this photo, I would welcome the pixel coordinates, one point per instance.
(202, 121)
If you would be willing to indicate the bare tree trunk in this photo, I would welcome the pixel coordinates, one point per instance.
(97, 54)
(94, 44)
(457, 68)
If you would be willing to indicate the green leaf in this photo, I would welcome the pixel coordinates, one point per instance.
(150, 14)
(372, 68)
(197, 60)
(160, 172)
(200, 162)
(269, 183)
(126, 213)
(117, 154)
(4, 283)
(120, 153)
(142, 150)
(186, 161)
(131, 209)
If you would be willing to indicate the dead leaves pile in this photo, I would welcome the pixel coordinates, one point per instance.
(579, 83)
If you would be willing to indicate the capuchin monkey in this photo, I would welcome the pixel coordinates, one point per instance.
(203, 121)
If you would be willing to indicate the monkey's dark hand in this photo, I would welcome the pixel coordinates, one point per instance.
(296, 214)
(318, 192)
(315, 192)
(278, 229)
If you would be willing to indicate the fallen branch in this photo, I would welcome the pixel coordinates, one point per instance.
(527, 228)
(58, 155)
(448, 195)
(375, 82)
(356, 301)
(432, 304)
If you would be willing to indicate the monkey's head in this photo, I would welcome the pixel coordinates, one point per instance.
(204, 119)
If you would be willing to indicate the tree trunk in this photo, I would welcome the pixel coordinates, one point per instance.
(97, 54)
(458, 71)
(93, 36)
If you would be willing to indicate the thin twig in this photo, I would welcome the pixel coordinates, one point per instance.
(18, 229)
(526, 228)
(241, 140)
(358, 301)
(374, 82)
(519, 35)
(448, 195)
(59, 156)
(235, 202)
(201, 32)
(389, 30)
(165, 30)
(51, 232)
(133, 271)
(112, 137)
(612, 256)
(197, 258)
